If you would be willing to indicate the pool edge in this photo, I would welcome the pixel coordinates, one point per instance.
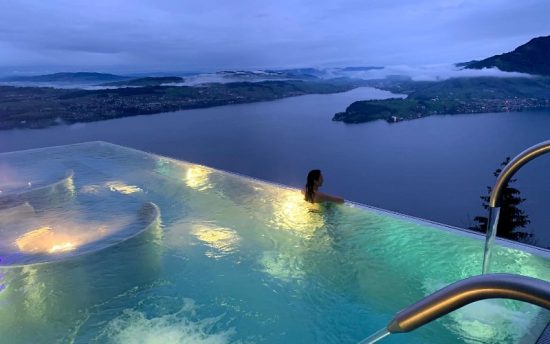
(538, 251)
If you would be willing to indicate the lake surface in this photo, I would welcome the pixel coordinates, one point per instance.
(435, 168)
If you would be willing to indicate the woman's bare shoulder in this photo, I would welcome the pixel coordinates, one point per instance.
(322, 197)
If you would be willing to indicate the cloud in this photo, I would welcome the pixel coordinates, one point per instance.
(215, 34)
(428, 72)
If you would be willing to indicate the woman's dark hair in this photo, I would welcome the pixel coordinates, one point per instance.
(312, 177)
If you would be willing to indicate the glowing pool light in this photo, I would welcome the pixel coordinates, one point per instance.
(197, 178)
(53, 235)
(45, 240)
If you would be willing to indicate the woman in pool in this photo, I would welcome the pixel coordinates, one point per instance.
(312, 193)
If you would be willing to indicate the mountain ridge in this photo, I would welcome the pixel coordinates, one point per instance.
(532, 57)
(70, 77)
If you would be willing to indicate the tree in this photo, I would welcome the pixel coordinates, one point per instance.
(511, 218)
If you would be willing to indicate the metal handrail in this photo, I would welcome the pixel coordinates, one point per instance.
(513, 166)
(461, 293)
(494, 200)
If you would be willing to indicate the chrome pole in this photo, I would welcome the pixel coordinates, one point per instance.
(494, 200)
(461, 293)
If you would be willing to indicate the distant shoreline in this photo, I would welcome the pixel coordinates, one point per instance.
(450, 97)
(37, 107)
(388, 110)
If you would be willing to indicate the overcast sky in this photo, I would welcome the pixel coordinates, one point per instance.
(185, 35)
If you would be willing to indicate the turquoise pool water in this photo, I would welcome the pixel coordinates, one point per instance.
(104, 244)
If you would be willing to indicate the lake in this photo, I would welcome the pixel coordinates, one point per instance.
(435, 167)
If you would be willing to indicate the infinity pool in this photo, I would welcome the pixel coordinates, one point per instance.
(104, 244)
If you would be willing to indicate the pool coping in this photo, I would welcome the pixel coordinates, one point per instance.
(538, 251)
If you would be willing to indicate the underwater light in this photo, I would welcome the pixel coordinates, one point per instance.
(55, 235)
(45, 240)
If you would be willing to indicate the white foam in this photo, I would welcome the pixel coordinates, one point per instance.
(134, 327)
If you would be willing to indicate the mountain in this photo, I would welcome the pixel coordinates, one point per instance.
(533, 58)
(79, 77)
(148, 81)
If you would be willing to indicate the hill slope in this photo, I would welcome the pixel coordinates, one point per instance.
(533, 58)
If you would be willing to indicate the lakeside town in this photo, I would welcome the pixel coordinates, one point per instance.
(476, 106)
(449, 97)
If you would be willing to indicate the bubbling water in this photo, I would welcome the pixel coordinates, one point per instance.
(177, 328)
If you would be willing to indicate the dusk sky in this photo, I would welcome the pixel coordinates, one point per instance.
(147, 35)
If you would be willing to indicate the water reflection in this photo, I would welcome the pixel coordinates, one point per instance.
(35, 292)
(197, 177)
(122, 188)
(302, 254)
(223, 241)
(194, 176)
(114, 186)
(291, 212)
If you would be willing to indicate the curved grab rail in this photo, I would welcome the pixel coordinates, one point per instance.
(494, 200)
(513, 166)
(461, 293)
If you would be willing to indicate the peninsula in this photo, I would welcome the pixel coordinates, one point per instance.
(452, 96)
(465, 95)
